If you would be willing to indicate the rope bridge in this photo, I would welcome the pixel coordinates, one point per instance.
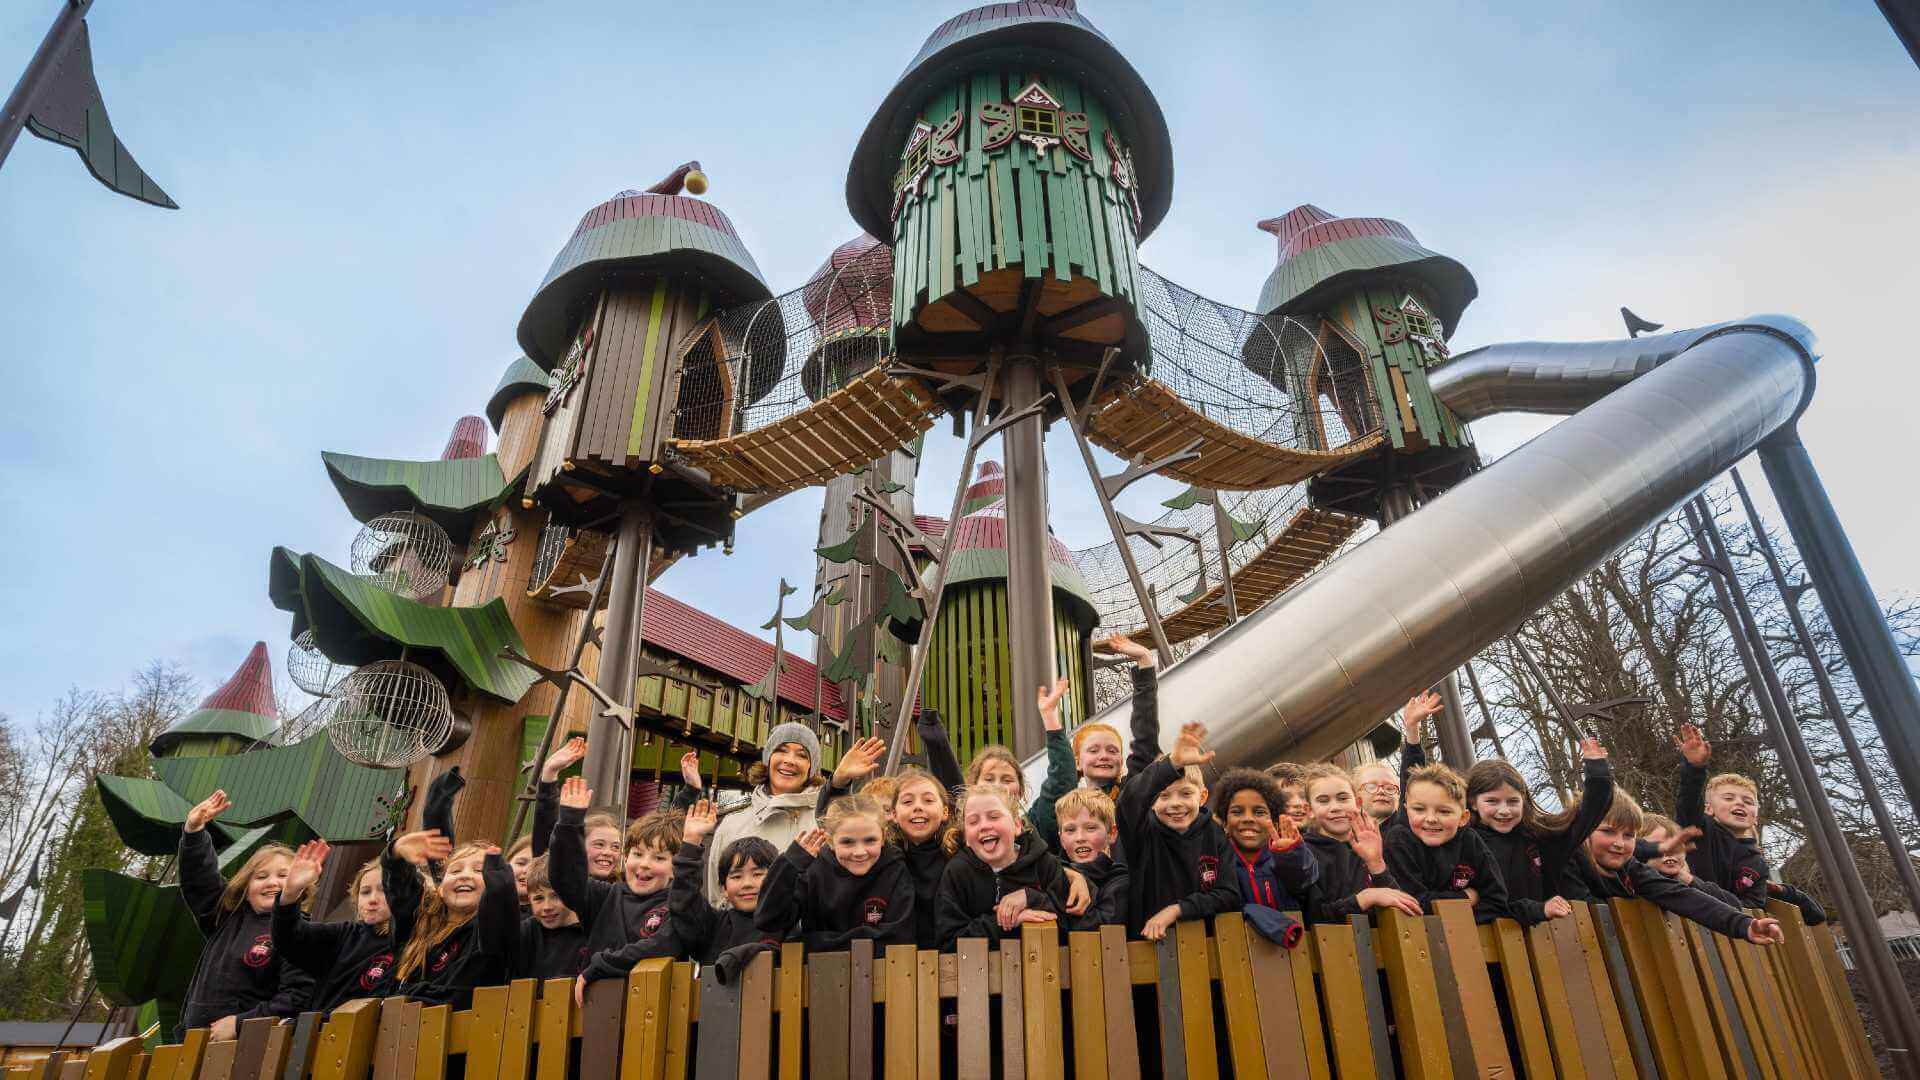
(1617, 990)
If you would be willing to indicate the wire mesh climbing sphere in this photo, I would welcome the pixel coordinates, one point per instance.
(404, 553)
(308, 721)
(389, 714)
(310, 669)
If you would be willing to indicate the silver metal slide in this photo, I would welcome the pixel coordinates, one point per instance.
(1650, 421)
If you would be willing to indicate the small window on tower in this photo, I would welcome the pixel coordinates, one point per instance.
(1419, 323)
(1039, 121)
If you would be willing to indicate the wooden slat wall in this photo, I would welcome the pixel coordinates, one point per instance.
(1226, 1004)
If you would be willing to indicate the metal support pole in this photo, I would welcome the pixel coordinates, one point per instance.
(1223, 535)
(1830, 701)
(1886, 682)
(1886, 991)
(13, 116)
(1029, 583)
(1456, 745)
(1486, 714)
(609, 765)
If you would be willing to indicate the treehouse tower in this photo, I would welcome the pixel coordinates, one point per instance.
(1015, 168)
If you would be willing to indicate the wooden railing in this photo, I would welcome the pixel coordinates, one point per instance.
(1620, 990)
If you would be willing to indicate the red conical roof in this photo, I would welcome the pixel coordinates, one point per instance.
(469, 439)
(243, 707)
(250, 689)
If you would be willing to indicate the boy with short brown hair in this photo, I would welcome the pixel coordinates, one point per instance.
(1085, 818)
(1434, 857)
(1177, 855)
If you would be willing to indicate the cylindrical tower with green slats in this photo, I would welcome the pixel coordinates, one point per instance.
(969, 675)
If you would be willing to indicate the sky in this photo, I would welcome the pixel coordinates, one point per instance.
(370, 194)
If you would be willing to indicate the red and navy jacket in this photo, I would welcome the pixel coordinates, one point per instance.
(1191, 868)
(240, 972)
(1270, 885)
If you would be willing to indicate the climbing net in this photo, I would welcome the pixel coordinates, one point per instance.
(1173, 570)
(1273, 378)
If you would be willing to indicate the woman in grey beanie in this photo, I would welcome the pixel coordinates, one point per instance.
(781, 804)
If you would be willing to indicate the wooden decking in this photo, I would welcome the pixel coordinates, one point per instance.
(1309, 539)
(870, 416)
(1144, 417)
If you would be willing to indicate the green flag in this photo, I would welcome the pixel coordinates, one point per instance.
(69, 110)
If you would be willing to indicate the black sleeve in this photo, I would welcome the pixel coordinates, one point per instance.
(310, 946)
(693, 918)
(953, 915)
(567, 868)
(200, 880)
(1403, 860)
(1690, 801)
(1412, 756)
(1109, 902)
(1596, 798)
(941, 761)
(499, 915)
(289, 998)
(1051, 891)
(546, 813)
(1810, 909)
(438, 811)
(1135, 806)
(1146, 721)
(685, 796)
(828, 793)
(1716, 892)
(1488, 883)
(779, 909)
(400, 881)
(1688, 903)
(1224, 894)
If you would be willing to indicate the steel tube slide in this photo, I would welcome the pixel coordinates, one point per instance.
(1649, 421)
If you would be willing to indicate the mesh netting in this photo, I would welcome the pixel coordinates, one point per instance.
(1289, 383)
(1174, 570)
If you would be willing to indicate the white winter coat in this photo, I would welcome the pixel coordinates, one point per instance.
(777, 819)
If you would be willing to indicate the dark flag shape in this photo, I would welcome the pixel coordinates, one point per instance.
(70, 111)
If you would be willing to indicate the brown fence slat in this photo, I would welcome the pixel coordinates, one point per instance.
(1168, 1002)
(1040, 967)
(386, 1044)
(1568, 1055)
(681, 991)
(1346, 1010)
(516, 1031)
(248, 1056)
(1523, 1000)
(346, 1046)
(1807, 982)
(792, 992)
(1196, 1000)
(279, 1041)
(1763, 1048)
(111, 1060)
(1421, 1029)
(436, 1035)
(719, 1056)
(1775, 1026)
(901, 1035)
(1086, 1007)
(643, 1046)
(972, 1003)
(1116, 992)
(216, 1065)
(1779, 973)
(1487, 1042)
(1840, 991)
(1625, 997)
(1596, 1053)
(555, 1029)
(1379, 1023)
(827, 975)
(600, 1032)
(927, 1010)
(193, 1047)
(1721, 1003)
(1459, 1043)
(756, 1018)
(1699, 1039)
(860, 1010)
(165, 1060)
(300, 1047)
(1607, 1009)
(1290, 1054)
(1013, 1022)
(489, 1028)
(1236, 993)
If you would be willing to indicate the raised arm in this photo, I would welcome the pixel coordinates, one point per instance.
(692, 788)
(499, 915)
(941, 760)
(567, 865)
(1690, 802)
(779, 910)
(1062, 775)
(693, 918)
(860, 761)
(401, 864)
(1145, 744)
(310, 946)
(437, 813)
(546, 794)
(200, 880)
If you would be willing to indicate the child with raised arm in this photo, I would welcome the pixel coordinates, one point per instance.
(839, 883)
(917, 815)
(1346, 844)
(1292, 779)
(465, 932)
(991, 886)
(1177, 855)
(1608, 870)
(1092, 755)
(1726, 810)
(1271, 863)
(353, 959)
(1433, 857)
(1087, 835)
(553, 944)
(1531, 848)
(633, 910)
(240, 975)
(602, 832)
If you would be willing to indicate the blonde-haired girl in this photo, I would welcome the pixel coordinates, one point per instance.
(992, 886)
(465, 931)
(240, 975)
(840, 882)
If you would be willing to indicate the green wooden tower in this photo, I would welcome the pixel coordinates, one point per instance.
(1361, 311)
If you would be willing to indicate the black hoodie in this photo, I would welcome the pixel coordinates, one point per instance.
(1734, 863)
(1637, 880)
(615, 916)
(240, 972)
(349, 959)
(1107, 879)
(970, 890)
(815, 901)
(926, 861)
(1532, 864)
(1446, 871)
(559, 953)
(1190, 868)
(479, 953)
(1335, 896)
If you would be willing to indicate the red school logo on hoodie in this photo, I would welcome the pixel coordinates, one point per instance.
(376, 970)
(1209, 869)
(1462, 876)
(444, 957)
(260, 953)
(1746, 879)
(875, 909)
(651, 924)
(1533, 856)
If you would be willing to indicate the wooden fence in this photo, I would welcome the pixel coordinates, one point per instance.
(1620, 990)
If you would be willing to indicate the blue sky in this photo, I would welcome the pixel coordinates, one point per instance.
(369, 198)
